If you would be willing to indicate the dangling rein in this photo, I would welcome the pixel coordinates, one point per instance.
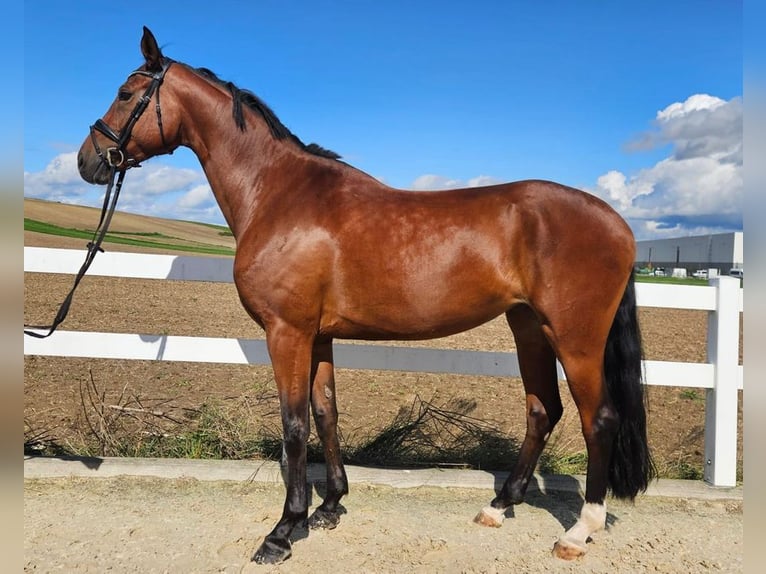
(110, 202)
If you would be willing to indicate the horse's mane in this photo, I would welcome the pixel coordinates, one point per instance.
(249, 99)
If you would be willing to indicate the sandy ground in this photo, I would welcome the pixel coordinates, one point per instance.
(148, 525)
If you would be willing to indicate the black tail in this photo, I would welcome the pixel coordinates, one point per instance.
(631, 467)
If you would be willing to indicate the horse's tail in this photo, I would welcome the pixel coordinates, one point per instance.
(631, 467)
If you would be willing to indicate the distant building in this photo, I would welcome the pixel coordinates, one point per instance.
(721, 251)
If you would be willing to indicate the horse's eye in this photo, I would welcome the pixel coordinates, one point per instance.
(124, 95)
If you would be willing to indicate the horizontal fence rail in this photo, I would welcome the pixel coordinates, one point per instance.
(721, 375)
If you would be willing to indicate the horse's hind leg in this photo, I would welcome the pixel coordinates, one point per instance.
(599, 424)
(537, 363)
(582, 356)
(325, 409)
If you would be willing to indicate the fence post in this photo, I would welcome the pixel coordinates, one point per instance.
(721, 400)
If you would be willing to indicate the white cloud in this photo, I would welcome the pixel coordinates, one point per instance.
(483, 180)
(62, 170)
(199, 196)
(58, 181)
(698, 188)
(432, 182)
(156, 189)
(693, 103)
(160, 179)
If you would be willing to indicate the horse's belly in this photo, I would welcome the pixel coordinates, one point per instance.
(423, 314)
(403, 331)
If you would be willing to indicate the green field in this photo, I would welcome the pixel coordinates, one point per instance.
(672, 280)
(148, 239)
(223, 230)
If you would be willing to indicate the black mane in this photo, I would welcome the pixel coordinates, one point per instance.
(249, 99)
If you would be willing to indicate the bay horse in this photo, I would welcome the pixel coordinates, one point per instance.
(325, 251)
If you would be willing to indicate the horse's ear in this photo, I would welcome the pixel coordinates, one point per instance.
(151, 51)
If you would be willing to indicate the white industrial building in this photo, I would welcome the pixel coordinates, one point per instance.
(722, 251)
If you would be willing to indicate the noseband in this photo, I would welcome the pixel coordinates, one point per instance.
(115, 157)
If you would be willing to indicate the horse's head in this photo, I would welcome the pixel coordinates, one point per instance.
(126, 136)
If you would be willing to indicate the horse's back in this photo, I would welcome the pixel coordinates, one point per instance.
(545, 218)
(417, 265)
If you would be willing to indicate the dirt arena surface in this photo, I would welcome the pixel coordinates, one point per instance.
(147, 525)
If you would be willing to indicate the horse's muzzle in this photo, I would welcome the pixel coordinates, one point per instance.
(92, 169)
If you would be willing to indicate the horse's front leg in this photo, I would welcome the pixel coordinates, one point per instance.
(290, 352)
(325, 409)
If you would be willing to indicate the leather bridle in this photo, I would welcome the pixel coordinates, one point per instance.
(115, 157)
(116, 161)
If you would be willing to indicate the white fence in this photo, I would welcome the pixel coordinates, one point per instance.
(721, 376)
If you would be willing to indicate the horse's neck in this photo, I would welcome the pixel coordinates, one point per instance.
(235, 173)
(246, 169)
(235, 161)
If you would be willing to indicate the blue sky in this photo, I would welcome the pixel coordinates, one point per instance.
(637, 102)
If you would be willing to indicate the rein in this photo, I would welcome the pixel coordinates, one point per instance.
(113, 158)
(93, 247)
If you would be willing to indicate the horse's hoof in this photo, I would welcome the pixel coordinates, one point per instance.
(323, 520)
(273, 552)
(490, 516)
(569, 549)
